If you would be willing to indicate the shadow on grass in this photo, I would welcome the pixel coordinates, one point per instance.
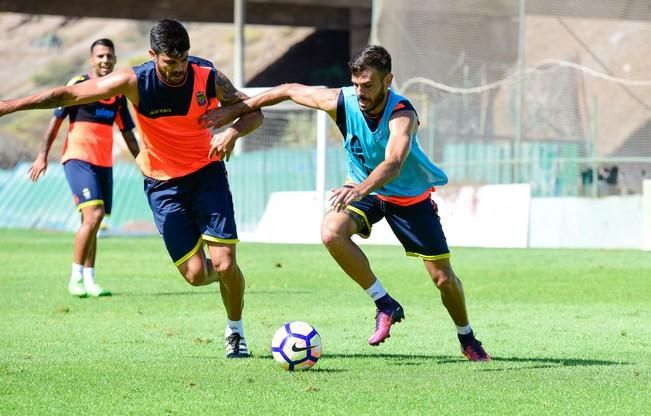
(402, 360)
(552, 362)
(268, 357)
(249, 292)
(156, 294)
(284, 291)
(419, 359)
(327, 370)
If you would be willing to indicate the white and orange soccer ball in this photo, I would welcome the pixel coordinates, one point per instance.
(296, 346)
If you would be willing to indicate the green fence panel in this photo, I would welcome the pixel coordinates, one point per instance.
(253, 176)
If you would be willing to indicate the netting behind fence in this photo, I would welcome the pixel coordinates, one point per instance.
(281, 155)
(556, 94)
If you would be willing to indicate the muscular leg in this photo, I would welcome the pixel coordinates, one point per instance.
(92, 252)
(82, 280)
(454, 301)
(223, 269)
(231, 279)
(337, 229)
(84, 245)
(451, 289)
(336, 232)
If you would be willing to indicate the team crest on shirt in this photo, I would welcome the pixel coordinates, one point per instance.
(201, 98)
(86, 193)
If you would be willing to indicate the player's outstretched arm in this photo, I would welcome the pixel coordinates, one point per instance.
(314, 97)
(318, 98)
(95, 89)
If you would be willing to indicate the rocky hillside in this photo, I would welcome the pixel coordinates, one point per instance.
(42, 51)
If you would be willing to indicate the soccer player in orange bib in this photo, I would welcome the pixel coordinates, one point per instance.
(185, 175)
(87, 162)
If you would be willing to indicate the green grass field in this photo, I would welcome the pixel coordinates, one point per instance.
(569, 331)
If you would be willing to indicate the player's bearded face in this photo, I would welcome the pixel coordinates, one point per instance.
(103, 60)
(371, 89)
(172, 69)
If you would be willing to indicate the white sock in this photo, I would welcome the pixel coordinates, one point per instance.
(77, 273)
(376, 291)
(234, 326)
(89, 276)
(464, 330)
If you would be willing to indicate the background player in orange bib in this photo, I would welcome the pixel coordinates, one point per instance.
(88, 159)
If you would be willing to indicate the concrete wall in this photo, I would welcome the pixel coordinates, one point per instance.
(615, 222)
(610, 222)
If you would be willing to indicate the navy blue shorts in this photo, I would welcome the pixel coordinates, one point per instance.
(417, 226)
(90, 184)
(193, 208)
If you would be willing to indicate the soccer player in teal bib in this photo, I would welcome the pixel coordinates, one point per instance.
(389, 177)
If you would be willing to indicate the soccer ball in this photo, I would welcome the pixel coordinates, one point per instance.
(296, 346)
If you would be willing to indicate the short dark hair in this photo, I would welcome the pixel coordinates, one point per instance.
(168, 36)
(373, 56)
(103, 42)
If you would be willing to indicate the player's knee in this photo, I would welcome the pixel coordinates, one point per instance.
(441, 274)
(332, 238)
(193, 271)
(195, 277)
(328, 237)
(93, 217)
(331, 235)
(442, 280)
(224, 266)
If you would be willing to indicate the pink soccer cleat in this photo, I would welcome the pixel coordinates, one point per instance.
(383, 322)
(475, 352)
